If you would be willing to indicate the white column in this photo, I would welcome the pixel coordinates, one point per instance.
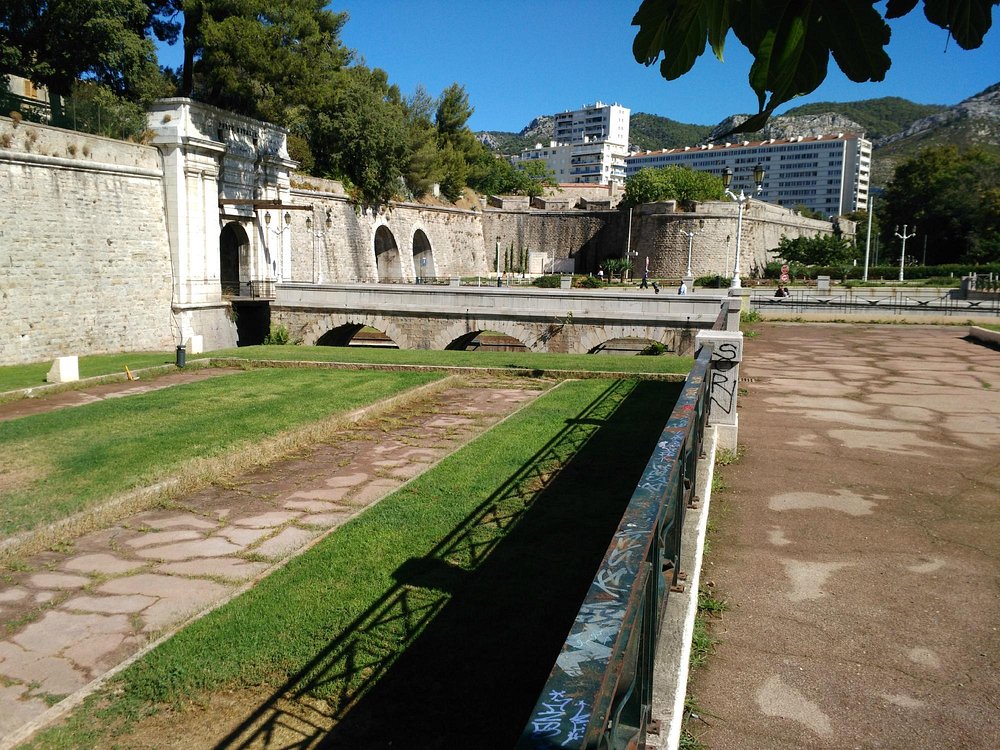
(727, 353)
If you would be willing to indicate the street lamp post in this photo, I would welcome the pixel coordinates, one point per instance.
(904, 237)
(278, 232)
(316, 235)
(690, 235)
(742, 199)
(498, 261)
(868, 238)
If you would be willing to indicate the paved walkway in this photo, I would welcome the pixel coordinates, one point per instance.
(69, 616)
(858, 545)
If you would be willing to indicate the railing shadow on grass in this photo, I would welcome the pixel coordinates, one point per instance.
(599, 693)
(456, 653)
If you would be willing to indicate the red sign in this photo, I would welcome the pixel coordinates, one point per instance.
(784, 277)
(784, 270)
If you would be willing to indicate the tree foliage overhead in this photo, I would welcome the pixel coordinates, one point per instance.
(674, 182)
(953, 196)
(56, 43)
(792, 42)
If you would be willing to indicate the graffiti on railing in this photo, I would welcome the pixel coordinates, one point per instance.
(557, 710)
(597, 695)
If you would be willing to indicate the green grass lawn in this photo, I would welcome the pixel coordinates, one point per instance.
(989, 326)
(15, 377)
(58, 463)
(448, 358)
(442, 607)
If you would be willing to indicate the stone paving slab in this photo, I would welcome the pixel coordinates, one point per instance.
(72, 615)
(858, 546)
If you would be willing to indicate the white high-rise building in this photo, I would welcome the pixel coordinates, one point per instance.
(825, 173)
(588, 145)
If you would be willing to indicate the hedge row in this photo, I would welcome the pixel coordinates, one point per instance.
(957, 270)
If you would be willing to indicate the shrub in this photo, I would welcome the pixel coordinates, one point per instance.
(712, 282)
(589, 282)
(549, 281)
(279, 336)
(654, 349)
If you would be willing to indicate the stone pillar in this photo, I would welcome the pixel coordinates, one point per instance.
(727, 353)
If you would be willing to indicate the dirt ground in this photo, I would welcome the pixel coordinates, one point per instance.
(858, 545)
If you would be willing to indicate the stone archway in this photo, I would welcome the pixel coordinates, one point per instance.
(423, 257)
(337, 329)
(388, 263)
(594, 339)
(460, 333)
(233, 247)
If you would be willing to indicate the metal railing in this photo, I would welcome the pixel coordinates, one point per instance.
(867, 299)
(599, 692)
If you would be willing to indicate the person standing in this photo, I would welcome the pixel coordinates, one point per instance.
(683, 288)
(645, 280)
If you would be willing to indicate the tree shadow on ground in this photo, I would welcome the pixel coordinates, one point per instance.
(483, 616)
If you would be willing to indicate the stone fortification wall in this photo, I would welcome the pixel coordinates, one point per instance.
(83, 245)
(585, 237)
(658, 231)
(340, 243)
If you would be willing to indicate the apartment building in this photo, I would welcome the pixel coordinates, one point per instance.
(588, 145)
(826, 173)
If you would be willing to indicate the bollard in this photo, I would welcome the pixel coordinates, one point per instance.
(181, 356)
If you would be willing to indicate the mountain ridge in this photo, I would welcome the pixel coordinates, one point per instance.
(897, 127)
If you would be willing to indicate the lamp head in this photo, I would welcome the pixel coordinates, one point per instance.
(329, 218)
(758, 176)
(727, 177)
(288, 218)
(309, 222)
(267, 218)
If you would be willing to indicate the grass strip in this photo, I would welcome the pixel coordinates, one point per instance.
(442, 607)
(55, 464)
(449, 358)
(15, 377)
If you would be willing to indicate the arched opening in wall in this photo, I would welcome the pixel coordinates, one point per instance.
(387, 260)
(355, 334)
(632, 345)
(423, 257)
(487, 341)
(233, 244)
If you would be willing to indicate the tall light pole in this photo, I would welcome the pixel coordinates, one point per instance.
(628, 243)
(689, 277)
(498, 260)
(904, 237)
(868, 238)
(276, 268)
(742, 199)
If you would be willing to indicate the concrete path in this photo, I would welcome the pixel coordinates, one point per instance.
(858, 545)
(71, 615)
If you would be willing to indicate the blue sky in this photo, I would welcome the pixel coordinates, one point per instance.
(520, 58)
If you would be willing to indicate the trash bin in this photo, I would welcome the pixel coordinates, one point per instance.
(181, 356)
